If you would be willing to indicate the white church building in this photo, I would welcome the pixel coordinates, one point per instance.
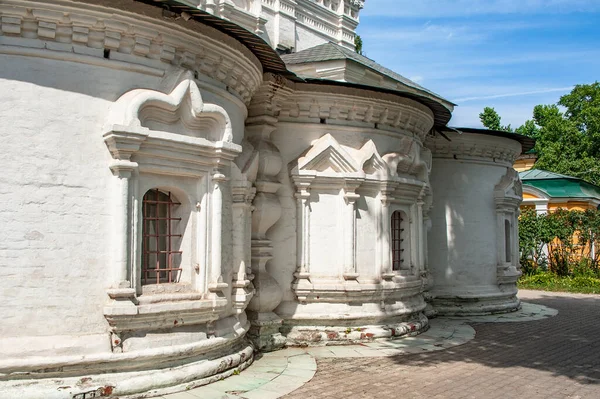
(185, 183)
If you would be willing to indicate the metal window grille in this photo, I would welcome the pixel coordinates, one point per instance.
(397, 241)
(159, 260)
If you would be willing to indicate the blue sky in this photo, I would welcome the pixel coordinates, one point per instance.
(507, 54)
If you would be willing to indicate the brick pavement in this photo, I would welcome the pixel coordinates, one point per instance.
(557, 357)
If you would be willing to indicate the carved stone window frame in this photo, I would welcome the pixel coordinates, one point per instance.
(198, 150)
(508, 195)
(327, 166)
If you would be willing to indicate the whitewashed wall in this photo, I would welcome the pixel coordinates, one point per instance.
(61, 202)
(55, 197)
(473, 184)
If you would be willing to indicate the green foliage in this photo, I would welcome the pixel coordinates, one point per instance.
(551, 282)
(490, 119)
(358, 44)
(556, 251)
(529, 129)
(568, 141)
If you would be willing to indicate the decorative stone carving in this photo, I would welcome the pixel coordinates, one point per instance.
(145, 45)
(473, 147)
(508, 195)
(325, 167)
(243, 191)
(263, 112)
(360, 4)
(188, 125)
(386, 112)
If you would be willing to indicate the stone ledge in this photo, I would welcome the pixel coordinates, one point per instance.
(139, 384)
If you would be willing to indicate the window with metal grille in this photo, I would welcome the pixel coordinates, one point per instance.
(160, 262)
(397, 240)
(507, 243)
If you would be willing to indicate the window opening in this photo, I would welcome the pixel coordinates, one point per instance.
(159, 263)
(507, 249)
(397, 241)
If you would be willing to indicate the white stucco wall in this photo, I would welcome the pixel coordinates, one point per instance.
(55, 201)
(475, 189)
(462, 239)
(77, 108)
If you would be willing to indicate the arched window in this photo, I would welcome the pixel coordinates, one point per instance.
(507, 244)
(160, 261)
(398, 237)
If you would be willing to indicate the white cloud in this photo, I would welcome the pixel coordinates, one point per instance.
(457, 8)
(419, 35)
(515, 94)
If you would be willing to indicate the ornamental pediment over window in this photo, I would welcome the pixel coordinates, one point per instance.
(509, 188)
(327, 158)
(174, 124)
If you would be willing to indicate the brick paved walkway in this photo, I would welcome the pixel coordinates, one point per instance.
(557, 357)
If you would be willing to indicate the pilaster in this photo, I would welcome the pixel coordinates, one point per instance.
(302, 275)
(242, 288)
(216, 285)
(350, 271)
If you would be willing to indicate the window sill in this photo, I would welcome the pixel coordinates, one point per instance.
(150, 312)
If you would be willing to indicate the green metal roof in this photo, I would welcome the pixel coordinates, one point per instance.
(556, 185)
(331, 51)
(539, 174)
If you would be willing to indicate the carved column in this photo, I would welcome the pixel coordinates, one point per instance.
(242, 288)
(216, 285)
(385, 245)
(420, 239)
(261, 123)
(122, 145)
(302, 275)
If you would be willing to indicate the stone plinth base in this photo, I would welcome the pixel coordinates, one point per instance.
(475, 305)
(148, 381)
(303, 335)
(264, 331)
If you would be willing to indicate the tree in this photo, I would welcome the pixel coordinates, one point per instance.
(566, 142)
(358, 44)
(490, 119)
(529, 129)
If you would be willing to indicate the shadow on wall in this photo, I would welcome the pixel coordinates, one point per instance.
(565, 345)
(446, 236)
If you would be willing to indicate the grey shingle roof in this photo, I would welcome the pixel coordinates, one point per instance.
(331, 51)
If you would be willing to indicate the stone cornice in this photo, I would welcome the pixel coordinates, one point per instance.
(474, 148)
(350, 105)
(268, 98)
(136, 34)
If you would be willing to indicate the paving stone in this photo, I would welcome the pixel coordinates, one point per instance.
(529, 354)
(535, 354)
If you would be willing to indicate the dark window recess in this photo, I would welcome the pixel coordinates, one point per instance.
(160, 262)
(397, 241)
